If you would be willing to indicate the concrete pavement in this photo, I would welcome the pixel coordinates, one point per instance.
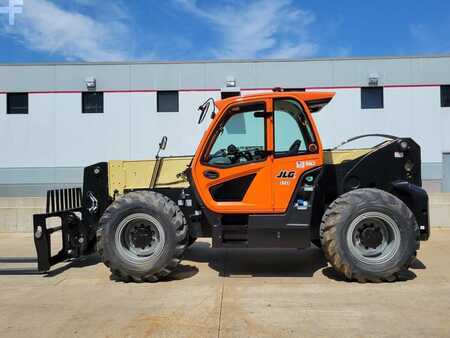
(227, 293)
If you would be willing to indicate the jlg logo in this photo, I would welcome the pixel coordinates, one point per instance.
(286, 174)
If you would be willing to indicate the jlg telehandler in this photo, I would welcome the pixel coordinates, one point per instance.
(259, 179)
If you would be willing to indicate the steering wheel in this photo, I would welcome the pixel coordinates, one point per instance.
(294, 148)
(232, 150)
(237, 154)
(233, 153)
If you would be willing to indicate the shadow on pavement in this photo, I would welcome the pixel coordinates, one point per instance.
(259, 262)
(243, 262)
(76, 263)
(273, 262)
(417, 264)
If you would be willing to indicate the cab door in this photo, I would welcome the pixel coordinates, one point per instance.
(233, 171)
(297, 149)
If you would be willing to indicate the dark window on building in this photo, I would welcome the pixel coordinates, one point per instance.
(17, 103)
(445, 96)
(92, 103)
(167, 101)
(372, 98)
(226, 95)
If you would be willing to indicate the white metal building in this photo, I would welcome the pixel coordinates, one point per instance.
(57, 118)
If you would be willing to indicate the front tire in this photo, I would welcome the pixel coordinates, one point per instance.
(369, 235)
(142, 236)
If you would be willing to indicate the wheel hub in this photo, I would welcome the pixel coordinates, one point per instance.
(371, 237)
(142, 236)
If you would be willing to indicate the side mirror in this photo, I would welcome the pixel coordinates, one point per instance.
(205, 109)
(163, 143)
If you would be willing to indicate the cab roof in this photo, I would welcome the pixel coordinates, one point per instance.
(314, 100)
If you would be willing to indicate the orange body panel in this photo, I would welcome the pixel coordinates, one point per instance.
(267, 193)
(256, 200)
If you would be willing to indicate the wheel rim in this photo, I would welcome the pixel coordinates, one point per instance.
(140, 238)
(373, 238)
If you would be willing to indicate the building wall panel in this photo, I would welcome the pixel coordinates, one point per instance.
(56, 136)
(108, 77)
(27, 78)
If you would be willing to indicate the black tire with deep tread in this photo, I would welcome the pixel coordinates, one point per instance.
(339, 216)
(170, 217)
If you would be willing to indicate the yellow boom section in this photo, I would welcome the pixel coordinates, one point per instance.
(138, 174)
(339, 156)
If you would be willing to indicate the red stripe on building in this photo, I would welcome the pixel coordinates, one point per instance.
(218, 90)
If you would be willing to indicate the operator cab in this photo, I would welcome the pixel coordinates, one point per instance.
(240, 139)
(255, 150)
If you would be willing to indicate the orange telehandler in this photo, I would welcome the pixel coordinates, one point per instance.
(259, 178)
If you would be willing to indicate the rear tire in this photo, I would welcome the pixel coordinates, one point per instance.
(142, 236)
(369, 235)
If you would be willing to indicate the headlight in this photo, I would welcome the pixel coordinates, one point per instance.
(404, 145)
(409, 166)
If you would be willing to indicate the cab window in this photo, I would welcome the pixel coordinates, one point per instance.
(240, 138)
(292, 131)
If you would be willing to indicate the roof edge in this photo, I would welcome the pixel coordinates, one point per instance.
(215, 61)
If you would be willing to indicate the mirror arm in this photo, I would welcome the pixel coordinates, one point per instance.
(162, 146)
